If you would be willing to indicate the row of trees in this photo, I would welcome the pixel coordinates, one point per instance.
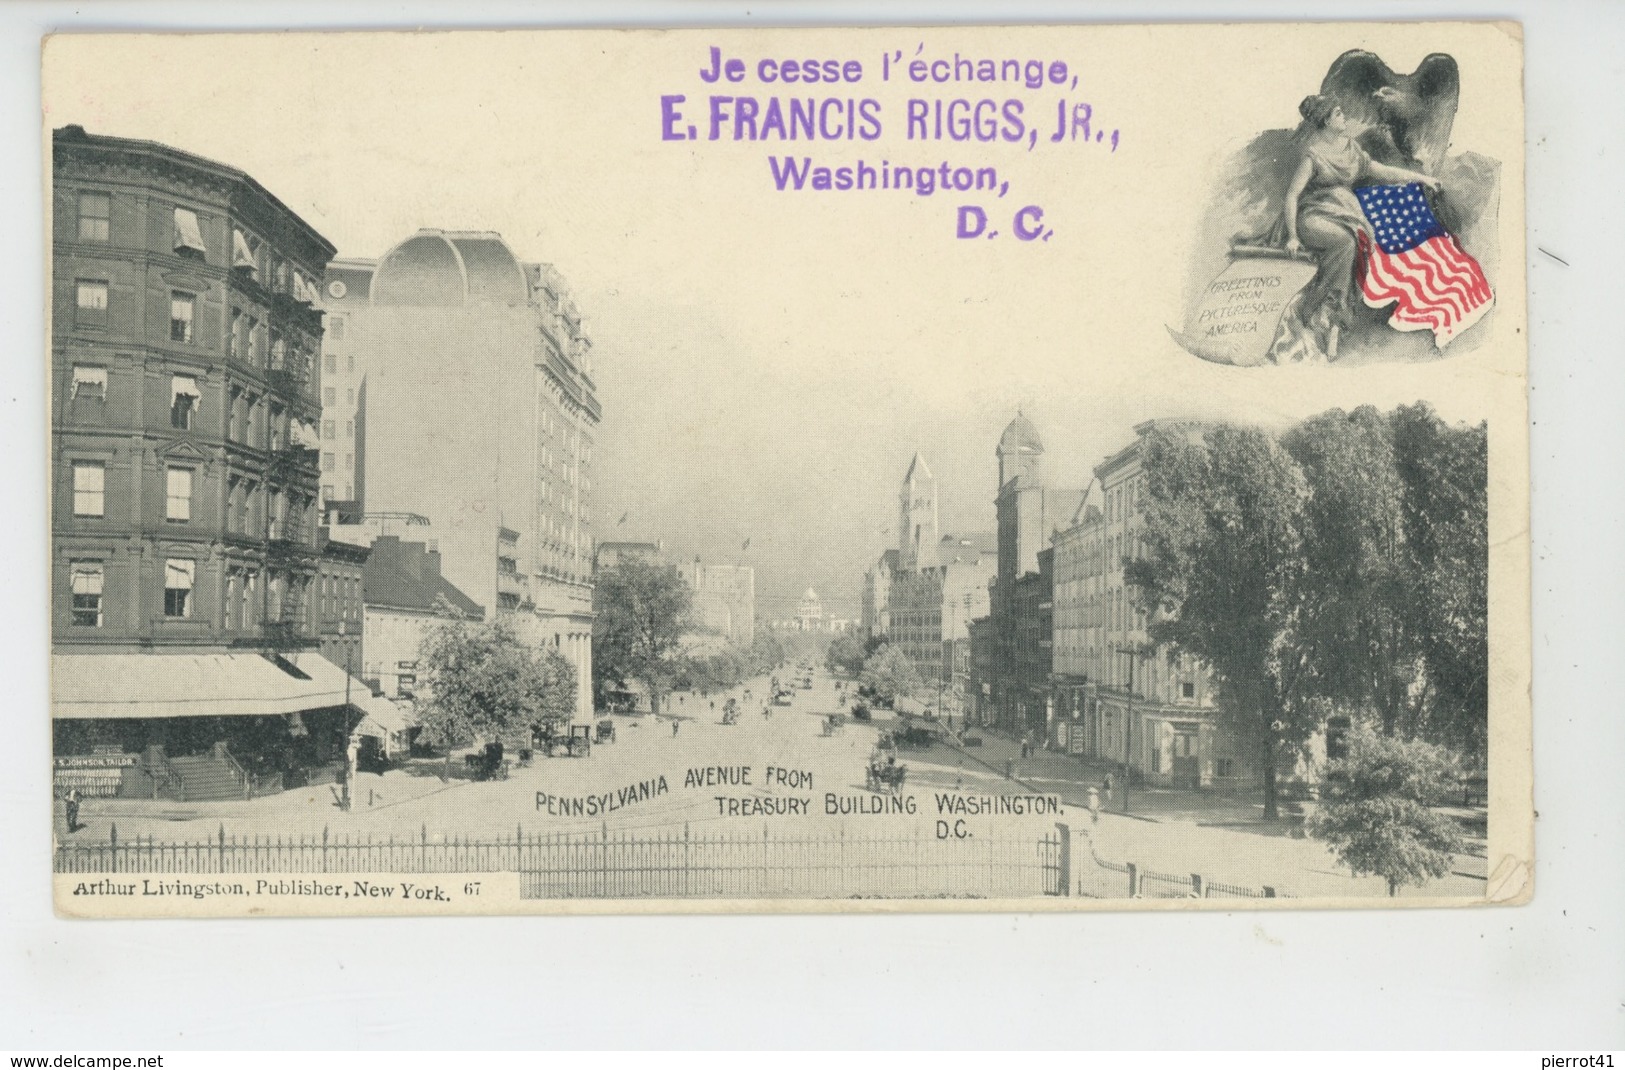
(883, 670)
(1339, 567)
(731, 666)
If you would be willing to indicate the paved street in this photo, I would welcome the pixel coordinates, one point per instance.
(782, 757)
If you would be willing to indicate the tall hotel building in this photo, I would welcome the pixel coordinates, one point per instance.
(185, 398)
(458, 390)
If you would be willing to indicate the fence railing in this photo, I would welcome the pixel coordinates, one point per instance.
(671, 863)
(1101, 878)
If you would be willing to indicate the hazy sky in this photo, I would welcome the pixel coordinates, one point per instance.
(768, 361)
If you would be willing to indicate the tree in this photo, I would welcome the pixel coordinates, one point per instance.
(845, 655)
(890, 675)
(1445, 474)
(1358, 609)
(1379, 819)
(482, 681)
(1222, 574)
(640, 613)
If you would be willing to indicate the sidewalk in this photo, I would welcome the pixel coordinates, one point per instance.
(1071, 776)
(1222, 836)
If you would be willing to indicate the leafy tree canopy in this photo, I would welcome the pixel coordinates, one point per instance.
(1379, 819)
(482, 681)
(640, 611)
(890, 675)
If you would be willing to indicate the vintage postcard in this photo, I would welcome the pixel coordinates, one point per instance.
(940, 468)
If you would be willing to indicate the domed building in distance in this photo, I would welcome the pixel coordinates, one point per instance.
(458, 388)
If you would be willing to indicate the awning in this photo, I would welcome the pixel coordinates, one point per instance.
(188, 235)
(242, 254)
(130, 686)
(384, 719)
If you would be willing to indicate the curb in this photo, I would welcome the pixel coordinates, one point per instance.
(979, 760)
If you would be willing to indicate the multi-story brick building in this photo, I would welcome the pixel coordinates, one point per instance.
(1119, 697)
(184, 405)
(1028, 512)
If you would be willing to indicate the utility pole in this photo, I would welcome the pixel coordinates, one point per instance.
(1128, 723)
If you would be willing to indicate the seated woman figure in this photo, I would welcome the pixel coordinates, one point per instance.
(1322, 214)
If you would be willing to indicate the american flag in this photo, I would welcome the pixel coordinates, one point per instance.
(1419, 264)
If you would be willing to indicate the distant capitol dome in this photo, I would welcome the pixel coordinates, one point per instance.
(439, 268)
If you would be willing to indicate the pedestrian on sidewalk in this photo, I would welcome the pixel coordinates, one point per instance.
(1108, 787)
(1094, 805)
(70, 804)
(674, 724)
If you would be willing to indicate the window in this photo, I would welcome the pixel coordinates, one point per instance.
(179, 577)
(178, 500)
(327, 462)
(95, 217)
(335, 329)
(330, 364)
(349, 363)
(349, 492)
(89, 477)
(89, 382)
(250, 580)
(328, 429)
(90, 301)
(327, 492)
(251, 335)
(234, 345)
(1187, 690)
(349, 461)
(85, 581)
(182, 306)
(328, 397)
(349, 397)
(183, 400)
(1224, 767)
(349, 429)
(188, 235)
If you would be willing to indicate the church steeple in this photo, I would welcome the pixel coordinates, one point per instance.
(917, 517)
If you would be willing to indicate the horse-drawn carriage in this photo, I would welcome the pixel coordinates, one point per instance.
(575, 743)
(916, 736)
(833, 722)
(487, 763)
(885, 776)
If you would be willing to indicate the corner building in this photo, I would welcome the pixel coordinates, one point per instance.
(184, 336)
(1118, 697)
(462, 393)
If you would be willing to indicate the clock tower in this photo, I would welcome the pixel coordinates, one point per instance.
(917, 518)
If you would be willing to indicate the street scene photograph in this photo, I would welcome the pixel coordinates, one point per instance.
(522, 472)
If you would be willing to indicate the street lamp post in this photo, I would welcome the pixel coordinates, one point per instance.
(349, 749)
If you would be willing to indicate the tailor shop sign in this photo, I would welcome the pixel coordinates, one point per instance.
(96, 761)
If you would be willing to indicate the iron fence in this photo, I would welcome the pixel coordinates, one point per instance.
(672, 863)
